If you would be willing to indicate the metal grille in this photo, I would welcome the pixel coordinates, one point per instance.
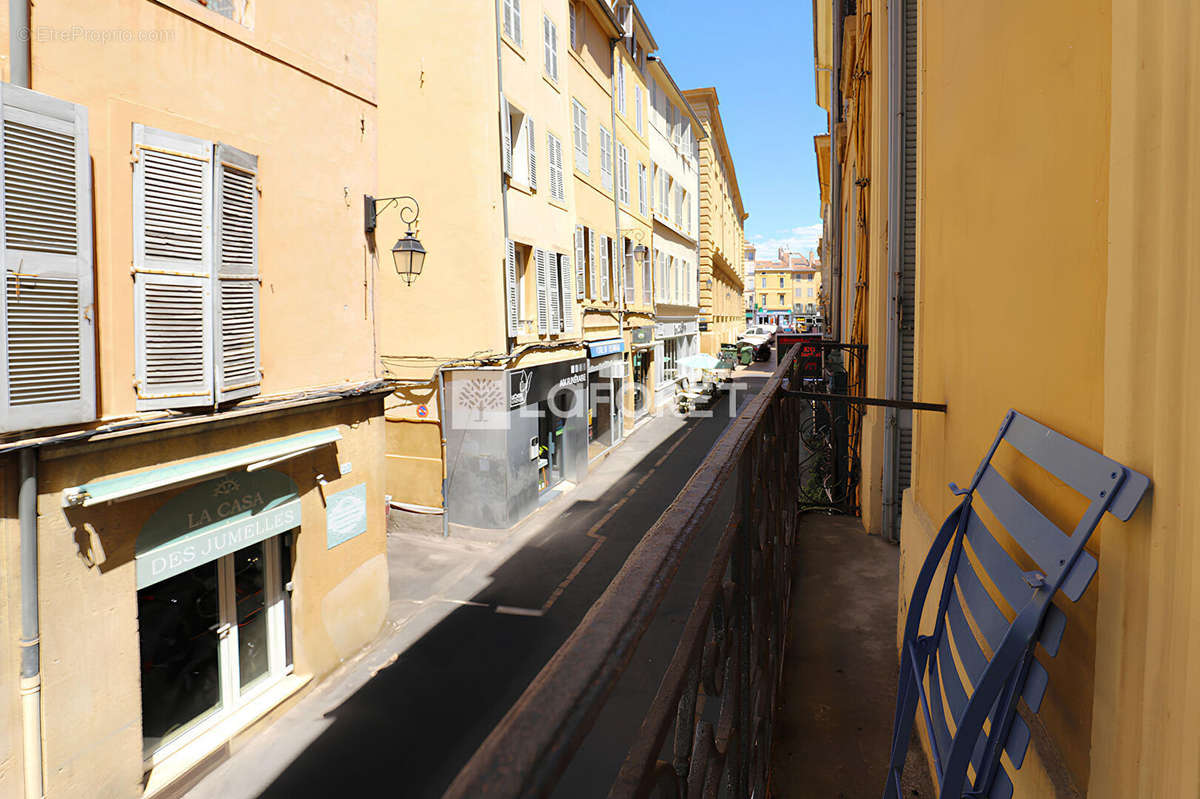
(174, 206)
(174, 333)
(238, 332)
(43, 340)
(39, 189)
(237, 222)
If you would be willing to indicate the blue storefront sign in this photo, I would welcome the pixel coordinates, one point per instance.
(607, 347)
(345, 515)
(213, 519)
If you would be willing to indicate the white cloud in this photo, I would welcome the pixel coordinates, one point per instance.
(801, 240)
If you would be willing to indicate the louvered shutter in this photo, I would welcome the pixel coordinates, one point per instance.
(173, 274)
(604, 268)
(49, 338)
(593, 266)
(647, 281)
(236, 292)
(580, 258)
(506, 137)
(532, 140)
(511, 288)
(543, 311)
(553, 292)
(564, 285)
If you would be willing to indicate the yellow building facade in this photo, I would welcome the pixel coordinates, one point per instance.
(722, 229)
(1086, 333)
(202, 395)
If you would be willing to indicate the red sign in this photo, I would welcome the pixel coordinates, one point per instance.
(808, 359)
(422, 411)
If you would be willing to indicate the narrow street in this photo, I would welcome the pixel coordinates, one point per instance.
(473, 619)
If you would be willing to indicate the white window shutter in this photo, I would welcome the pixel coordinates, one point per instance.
(593, 265)
(531, 137)
(637, 98)
(647, 282)
(236, 293)
(604, 268)
(568, 293)
(511, 288)
(506, 137)
(49, 374)
(629, 283)
(543, 311)
(553, 292)
(173, 269)
(580, 259)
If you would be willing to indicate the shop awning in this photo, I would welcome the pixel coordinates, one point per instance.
(150, 481)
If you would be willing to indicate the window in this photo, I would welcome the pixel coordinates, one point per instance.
(241, 606)
(605, 267)
(240, 12)
(629, 272)
(620, 89)
(47, 319)
(606, 158)
(654, 102)
(527, 295)
(678, 204)
(554, 152)
(550, 34)
(512, 20)
(622, 174)
(670, 358)
(566, 312)
(579, 120)
(637, 99)
(523, 160)
(641, 188)
(781, 281)
(687, 213)
(574, 29)
(196, 290)
(781, 300)
(762, 300)
(664, 203)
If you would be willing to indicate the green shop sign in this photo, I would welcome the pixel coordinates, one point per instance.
(213, 519)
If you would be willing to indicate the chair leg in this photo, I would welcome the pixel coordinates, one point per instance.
(906, 709)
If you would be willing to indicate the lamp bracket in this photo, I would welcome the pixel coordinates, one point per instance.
(410, 211)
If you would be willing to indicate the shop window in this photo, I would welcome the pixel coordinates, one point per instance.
(212, 638)
(670, 359)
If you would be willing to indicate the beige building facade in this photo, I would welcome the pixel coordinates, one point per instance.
(722, 229)
(191, 406)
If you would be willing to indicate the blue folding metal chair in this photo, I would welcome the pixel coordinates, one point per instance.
(930, 675)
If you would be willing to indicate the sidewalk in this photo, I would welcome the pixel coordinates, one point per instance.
(834, 723)
(451, 594)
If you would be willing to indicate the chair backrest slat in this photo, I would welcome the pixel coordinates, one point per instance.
(1085, 470)
(956, 693)
(1038, 536)
(997, 563)
(969, 651)
(991, 622)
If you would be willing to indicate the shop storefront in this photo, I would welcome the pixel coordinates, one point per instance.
(642, 363)
(674, 341)
(606, 379)
(214, 584)
(513, 438)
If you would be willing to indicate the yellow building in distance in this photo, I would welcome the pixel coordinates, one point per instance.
(787, 291)
(722, 229)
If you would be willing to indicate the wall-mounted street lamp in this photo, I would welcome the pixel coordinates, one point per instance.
(407, 252)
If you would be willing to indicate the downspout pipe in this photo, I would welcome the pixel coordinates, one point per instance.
(18, 42)
(508, 342)
(620, 271)
(441, 389)
(835, 171)
(31, 671)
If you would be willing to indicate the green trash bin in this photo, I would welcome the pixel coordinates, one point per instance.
(746, 354)
(727, 357)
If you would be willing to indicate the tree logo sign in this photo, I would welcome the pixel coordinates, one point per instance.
(477, 401)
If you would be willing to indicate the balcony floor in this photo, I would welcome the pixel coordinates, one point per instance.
(834, 725)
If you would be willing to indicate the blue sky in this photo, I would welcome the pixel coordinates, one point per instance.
(758, 53)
